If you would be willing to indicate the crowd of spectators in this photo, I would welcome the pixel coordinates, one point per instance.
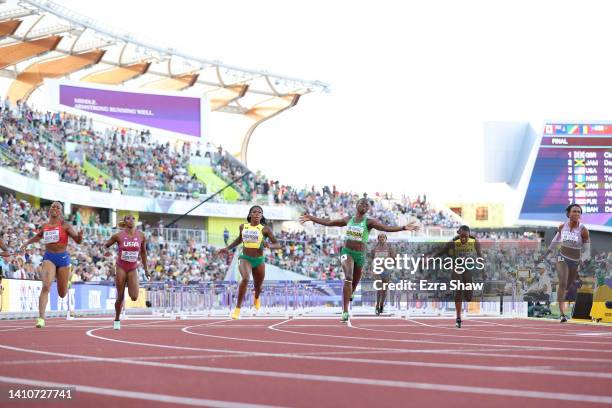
(506, 235)
(135, 161)
(329, 202)
(138, 161)
(31, 139)
(28, 141)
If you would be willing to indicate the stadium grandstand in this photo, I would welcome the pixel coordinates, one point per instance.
(97, 159)
(109, 135)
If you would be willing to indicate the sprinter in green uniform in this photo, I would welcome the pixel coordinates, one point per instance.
(356, 237)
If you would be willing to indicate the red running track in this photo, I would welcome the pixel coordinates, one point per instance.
(377, 362)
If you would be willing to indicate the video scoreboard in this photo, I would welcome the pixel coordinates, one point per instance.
(573, 165)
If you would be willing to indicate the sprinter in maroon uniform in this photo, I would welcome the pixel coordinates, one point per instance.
(132, 246)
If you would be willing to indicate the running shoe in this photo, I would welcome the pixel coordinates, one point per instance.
(116, 325)
(236, 313)
(257, 303)
(563, 318)
(40, 323)
(381, 309)
(458, 323)
(345, 317)
(377, 312)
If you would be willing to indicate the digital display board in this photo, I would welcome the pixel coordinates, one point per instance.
(172, 113)
(573, 165)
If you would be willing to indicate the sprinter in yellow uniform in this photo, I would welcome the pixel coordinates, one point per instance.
(466, 246)
(252, 235)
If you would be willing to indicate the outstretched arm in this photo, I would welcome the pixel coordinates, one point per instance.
(32, 240)
(111, 241)
(373, 223)
(553, 244)
(235, 243)
(267, 231)
(77, 237)
(340, 222)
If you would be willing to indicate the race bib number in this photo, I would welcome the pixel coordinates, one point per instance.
(51, 236)
(354, 233)
(381, 254)
(250, 236)
(129, 256)
(570, 237)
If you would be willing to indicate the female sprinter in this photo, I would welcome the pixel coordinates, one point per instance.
(252, 235)
(382, 251)
(463, 245)
(131, 245)
(573, 245)
(356, 238)
(56, 261)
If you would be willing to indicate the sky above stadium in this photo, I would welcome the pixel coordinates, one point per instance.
(411, 82)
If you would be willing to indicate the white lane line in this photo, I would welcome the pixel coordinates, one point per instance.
(560, 329)
(462, 336)
(13, 329)
(355, 349)
(533, 331)
(393, 350)
(419, 341)
(488, 367)
(230, 355)
(187, 330)
(508, 392)
(510, 369)
(530, 357)
(170, 399)
(149, 358)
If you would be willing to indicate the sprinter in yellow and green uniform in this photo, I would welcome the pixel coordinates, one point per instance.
(252, 235)
(463, 245)
(353, 253)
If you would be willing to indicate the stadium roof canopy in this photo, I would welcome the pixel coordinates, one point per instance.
(41, 39)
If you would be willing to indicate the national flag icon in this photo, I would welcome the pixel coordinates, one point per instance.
(579, 186)
(579, 162)
(548, 129)
(559, 129)
(580, 170)
(585, 129)
(579, 178)
(580, 193)
(573, 129)
(580, 201)
(598, 129)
